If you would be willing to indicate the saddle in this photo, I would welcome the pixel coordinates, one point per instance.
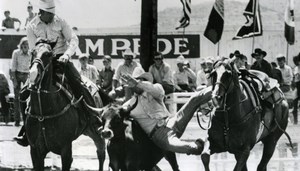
(265, 83)
(266, 88)
(93, 88)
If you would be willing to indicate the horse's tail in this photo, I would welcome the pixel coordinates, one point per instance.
(285, 133)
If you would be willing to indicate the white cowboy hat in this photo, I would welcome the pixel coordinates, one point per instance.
(180, 59)
(128, 52)
(139, 72)
(47, 5)
(83, 55)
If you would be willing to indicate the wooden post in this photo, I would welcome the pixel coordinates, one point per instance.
(287, 53)
(218, 50)
(148, 32)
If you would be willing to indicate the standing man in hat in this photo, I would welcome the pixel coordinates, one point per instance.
(148, 109)
(287, 73)
(19, 70)
(105, 80)
(261, 64)
(119, 88)
(88, 70)
(162, 73)
(48, 26)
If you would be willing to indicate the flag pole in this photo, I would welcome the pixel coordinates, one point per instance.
(254, 25)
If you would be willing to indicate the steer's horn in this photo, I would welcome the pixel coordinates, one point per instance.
(94, 109)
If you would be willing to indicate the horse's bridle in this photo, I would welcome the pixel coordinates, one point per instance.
(42, 117)
(44, 69)
(227, 89)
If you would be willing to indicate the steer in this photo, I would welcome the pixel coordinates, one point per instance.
(129, 147)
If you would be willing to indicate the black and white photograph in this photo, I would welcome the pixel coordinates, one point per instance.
(149, 85)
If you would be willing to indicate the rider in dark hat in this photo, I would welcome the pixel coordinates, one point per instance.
(261, 64)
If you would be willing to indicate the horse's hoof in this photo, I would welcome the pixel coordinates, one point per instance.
(21, 141)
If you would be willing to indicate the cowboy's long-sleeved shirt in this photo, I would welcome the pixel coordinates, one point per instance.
(58, 30)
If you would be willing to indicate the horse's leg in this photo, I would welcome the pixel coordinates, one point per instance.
(37, 158)
(241, 160)
(171, 158)
(100, 145)
(205, 160)
(66, 157)
(269, 147)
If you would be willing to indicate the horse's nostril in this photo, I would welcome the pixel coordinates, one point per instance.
(107, 134)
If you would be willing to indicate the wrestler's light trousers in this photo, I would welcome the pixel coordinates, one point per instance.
(168, 137)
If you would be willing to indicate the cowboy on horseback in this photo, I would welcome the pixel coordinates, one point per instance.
(48, 26)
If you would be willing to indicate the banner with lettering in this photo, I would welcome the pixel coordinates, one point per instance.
(98, 46)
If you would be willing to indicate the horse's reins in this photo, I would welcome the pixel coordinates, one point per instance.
(39, 61)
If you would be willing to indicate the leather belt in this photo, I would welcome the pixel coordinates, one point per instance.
(159, 124)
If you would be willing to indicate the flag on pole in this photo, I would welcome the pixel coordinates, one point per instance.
(215, 25)
(185, 19)
(289, 23)
(253, 25)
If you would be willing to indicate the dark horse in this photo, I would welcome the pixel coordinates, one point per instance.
(129, 148)
(238, 124)
(54, 119)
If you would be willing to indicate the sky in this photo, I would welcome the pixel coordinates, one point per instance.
(91, 13)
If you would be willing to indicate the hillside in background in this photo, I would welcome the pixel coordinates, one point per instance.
(272, 12)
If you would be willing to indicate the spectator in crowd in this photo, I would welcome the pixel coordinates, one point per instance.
(287, 73)
(240, 61)
(296, 81)
(91, 60)
(261, 64)
(276, 73)
(4, 91)
(20, 64)
(209, 65)
(119, 88)
(88, 70)
(201, 75)
(182, 75)
(31, 14)
(106, 75)
(9, 22)
(162, 73)
(192, 82)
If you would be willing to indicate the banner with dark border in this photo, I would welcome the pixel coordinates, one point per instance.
(98, 46)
